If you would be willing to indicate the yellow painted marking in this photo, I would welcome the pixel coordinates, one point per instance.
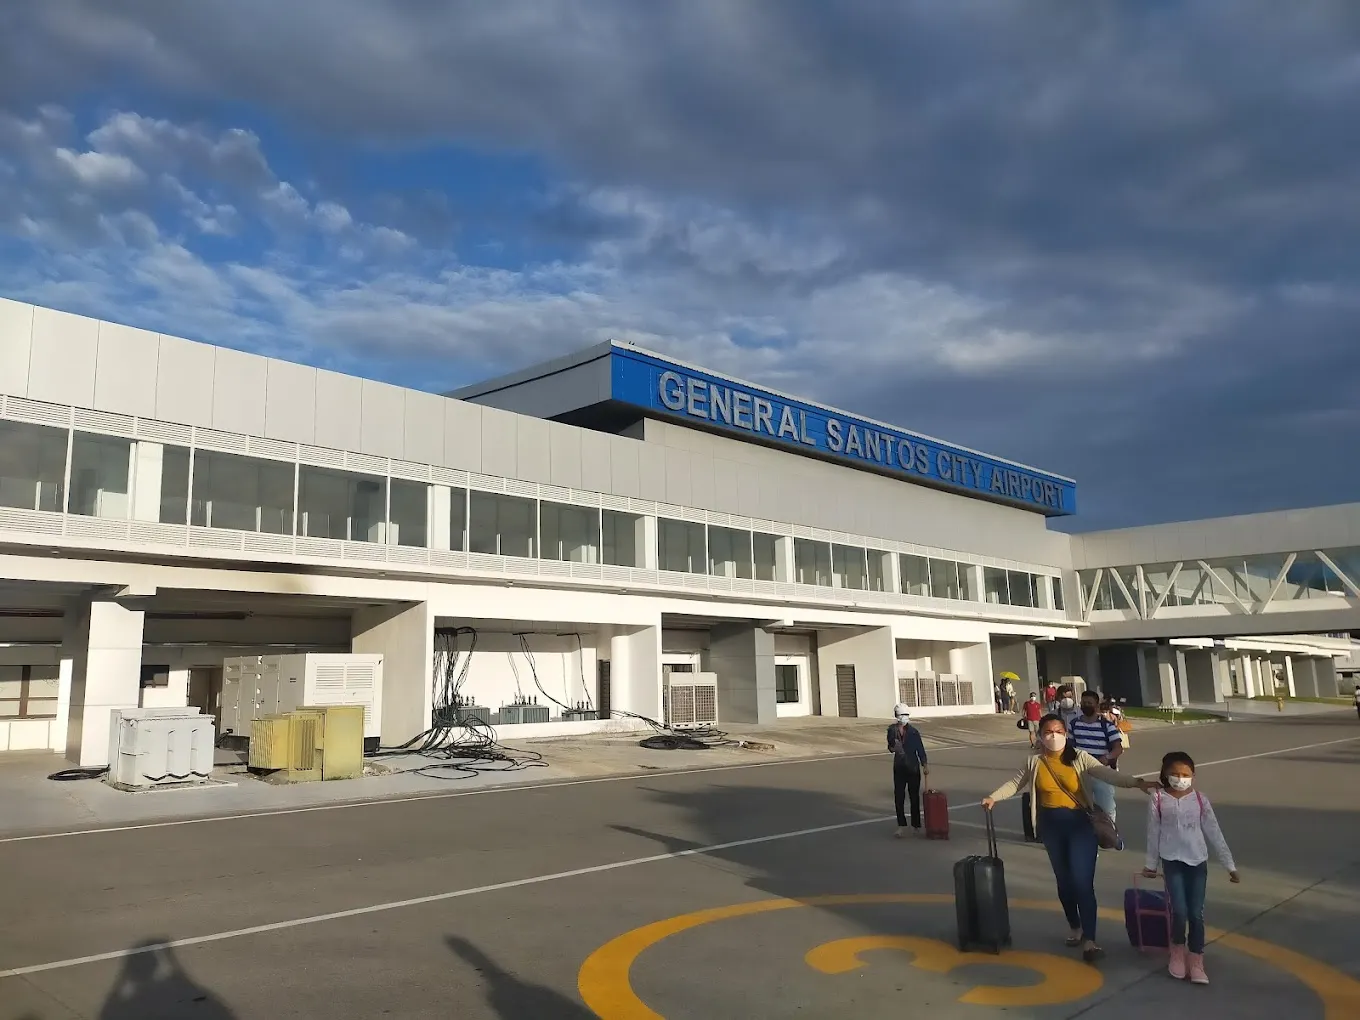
(605, 987)
(1064, 980)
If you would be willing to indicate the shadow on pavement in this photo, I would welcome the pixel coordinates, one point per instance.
(154, 986)
(508, 996)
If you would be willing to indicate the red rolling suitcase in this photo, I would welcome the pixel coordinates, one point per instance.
(935, 806)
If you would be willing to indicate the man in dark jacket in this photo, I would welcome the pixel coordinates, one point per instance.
(909, 765)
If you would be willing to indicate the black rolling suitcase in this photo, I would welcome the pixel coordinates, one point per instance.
(980, 899)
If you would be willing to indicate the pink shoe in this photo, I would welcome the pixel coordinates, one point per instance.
(1197, 974)
(1176, 966)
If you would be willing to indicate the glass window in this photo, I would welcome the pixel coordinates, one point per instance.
(1023, 590)
(458, 513)
(339, 505)
(32, 466)
(994, 586)
(944, 579)
(408, 521)
(502, 525)
(766, 550)
(729, 552)
(242, 493)
(99, 476)
(880, 570)
(965, 573)
(680, 546)
(175, 486)
(570, 533)
(915, 574)
(811, 562)
(1058, 603)
(848, 567)
(622, 538)
(786, 684)
(28, 692)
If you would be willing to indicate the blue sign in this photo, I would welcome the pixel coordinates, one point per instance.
(691, 395)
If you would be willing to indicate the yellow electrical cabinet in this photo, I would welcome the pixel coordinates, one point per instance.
(339, 740)
(269, 743)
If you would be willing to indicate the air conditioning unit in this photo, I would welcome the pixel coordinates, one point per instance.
(906, 691)
(691, 700)
(256, 686)
(269, 739)
(151, 747)
(310, 744)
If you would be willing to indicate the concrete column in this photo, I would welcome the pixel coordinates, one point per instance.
(1244, 673)
(1166, 676)
(648, 550)
(440, 517)
(894, 578)
(1289, 675)
(404, 636)
(742, 655)
(1325, 671)
(1091, 666)
(65, 671)
(635, 670)
(1182, 678)
(147, 459)
(1222, 679)
(783, 559)
(106, 671)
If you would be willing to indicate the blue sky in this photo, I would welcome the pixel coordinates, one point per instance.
(1115, 241)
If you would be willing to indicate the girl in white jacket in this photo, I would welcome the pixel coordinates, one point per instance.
(1181, 828)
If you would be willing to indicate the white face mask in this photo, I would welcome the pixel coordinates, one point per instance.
(903, 719)
(1055, 742)
(1067, 702)
(1179, 783)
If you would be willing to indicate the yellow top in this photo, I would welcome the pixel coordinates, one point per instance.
(1056, 792)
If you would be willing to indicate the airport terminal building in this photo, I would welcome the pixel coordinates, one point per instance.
(608, 536)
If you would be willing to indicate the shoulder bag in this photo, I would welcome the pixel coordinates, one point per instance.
(1107, 833)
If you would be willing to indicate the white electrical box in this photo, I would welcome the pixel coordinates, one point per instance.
(255, 686)
(150, 747)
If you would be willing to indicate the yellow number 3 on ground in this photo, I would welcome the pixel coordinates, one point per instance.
(1063, 980)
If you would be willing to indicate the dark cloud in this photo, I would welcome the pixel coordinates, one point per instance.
(1156, 201)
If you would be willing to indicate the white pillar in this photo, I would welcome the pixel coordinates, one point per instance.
(65, 668)
(1245, 671)
(440, 516)
(1166, 676)
(783, 559)
(404, 636)
(106, 674)
(1222, 677)
(147, 462)
(1182, 678)
(649, 549)
(635, 670)
(1289, 674)
(175, 694)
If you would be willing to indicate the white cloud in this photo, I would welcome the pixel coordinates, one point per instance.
(98, 170)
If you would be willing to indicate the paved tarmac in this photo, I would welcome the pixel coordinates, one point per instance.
(774, 891)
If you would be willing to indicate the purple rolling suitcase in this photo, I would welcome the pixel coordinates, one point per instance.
(1147, 917)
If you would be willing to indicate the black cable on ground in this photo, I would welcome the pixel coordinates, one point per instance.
(75, 775)
(459, 744)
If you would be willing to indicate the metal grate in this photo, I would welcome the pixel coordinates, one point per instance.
(929, 693)
(949, 692)
(680, 705)
(906, 692)
(603, 699)
(965, 692)
(705, 704)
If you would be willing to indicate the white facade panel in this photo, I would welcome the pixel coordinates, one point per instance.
(240, 383)
(383, 430)
(596, 472)
(16, 344)
(184, 382)
(564, 444)
(339, 409)
(499, 442)
(462, 435)
(423, 438)
(290, 402)
(625, 467)
(533, 453)
(125, 370)
(63, 357)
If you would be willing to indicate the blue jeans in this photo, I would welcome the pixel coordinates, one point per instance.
(1186, 885)
(1072, 846)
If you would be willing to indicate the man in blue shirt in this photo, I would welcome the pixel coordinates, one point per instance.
(1097, 736)
(909, 764)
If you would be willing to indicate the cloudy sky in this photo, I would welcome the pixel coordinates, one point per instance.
(1114, 240)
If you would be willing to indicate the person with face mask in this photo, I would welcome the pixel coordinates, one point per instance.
(1181, 828)
(1101, 739)
(1053, 778)
(909, 765)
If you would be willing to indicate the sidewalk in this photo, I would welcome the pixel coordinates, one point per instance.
(31, 803)
(1245, 707)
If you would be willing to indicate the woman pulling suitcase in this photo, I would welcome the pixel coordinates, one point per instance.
(1062, 813)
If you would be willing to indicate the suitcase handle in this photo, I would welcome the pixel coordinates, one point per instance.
(993, 850)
